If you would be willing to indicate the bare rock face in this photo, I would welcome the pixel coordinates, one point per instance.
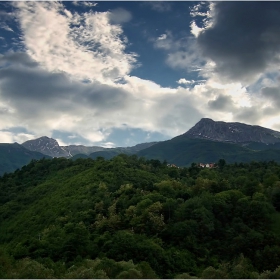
(232, 132)
(47, 146)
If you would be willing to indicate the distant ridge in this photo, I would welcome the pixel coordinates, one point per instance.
(209, 141)
(50, 147)
(206, 141)
(232, 132)
(13, 156)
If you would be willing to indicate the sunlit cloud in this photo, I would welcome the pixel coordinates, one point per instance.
(77, 79)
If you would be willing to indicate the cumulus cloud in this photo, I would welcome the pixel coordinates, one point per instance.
(44, 102)
(67, 83)
(53, 98)
(85, 46)
(184, 81)
(243, 39)
(195, 30)
(200, 9)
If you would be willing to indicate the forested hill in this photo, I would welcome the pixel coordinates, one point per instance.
(184, 151)
(13, 156)
(134, 218)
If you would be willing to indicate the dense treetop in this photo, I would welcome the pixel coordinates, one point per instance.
(129, 217)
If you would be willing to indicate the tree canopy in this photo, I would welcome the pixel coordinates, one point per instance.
(129, 217)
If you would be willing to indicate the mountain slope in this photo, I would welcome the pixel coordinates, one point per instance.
(13, 156)
(232, 132)
(208, 141)
(47, 146)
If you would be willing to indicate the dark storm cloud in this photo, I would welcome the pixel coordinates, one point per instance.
(17, 58)
(102, 96)
(244, 38)
(272, 93)
(31, 83)
(221, 103)
(21, 82)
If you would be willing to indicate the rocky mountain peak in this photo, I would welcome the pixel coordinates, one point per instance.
(206, 120)
(47, 146)
(233, 132)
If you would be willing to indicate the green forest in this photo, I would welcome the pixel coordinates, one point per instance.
(129, 217)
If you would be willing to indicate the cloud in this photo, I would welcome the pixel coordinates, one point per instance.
(119, 15)
(162, 37)
(185, 82)
(74, 83)
(85, 46)
(17, 58)
(181, 52)
(6, 27)
(6, 137)
(272, 94)
(39, 85)
(45, 102)
(3, 110)
(243, 39)
(11, 137)
(195, 30)
(221, 103)
(159, 6)
(108, 145)
(252, 115)
(84, 3)
(38, 97)
(4, 15)
(165, 41)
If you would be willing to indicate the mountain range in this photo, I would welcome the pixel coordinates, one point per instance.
(207, 141)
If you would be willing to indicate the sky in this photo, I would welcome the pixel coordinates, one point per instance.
(119, 73)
